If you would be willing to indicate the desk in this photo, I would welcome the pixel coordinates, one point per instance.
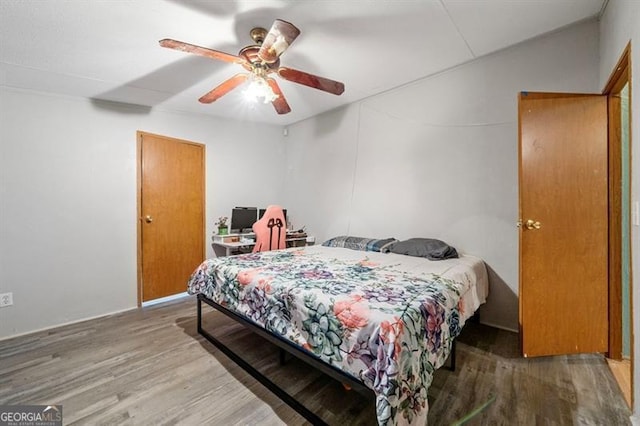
(236, 242)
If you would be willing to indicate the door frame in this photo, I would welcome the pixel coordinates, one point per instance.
(620, 75)
(139, 136)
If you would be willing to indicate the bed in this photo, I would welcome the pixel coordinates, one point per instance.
(383, 320)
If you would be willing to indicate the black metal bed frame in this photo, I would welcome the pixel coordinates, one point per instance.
(296, 351)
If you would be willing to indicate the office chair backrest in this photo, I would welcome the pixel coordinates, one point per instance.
(270, 230)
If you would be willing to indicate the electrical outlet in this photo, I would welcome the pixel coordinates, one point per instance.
(6, 299)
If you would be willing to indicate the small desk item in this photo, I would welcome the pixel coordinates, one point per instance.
(296, 239)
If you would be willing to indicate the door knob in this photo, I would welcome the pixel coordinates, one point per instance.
(148, 219)
(532, 224)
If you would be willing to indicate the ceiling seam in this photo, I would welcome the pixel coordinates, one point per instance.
(457, 29)
(467, 62)
(603, 8)
(81, 77)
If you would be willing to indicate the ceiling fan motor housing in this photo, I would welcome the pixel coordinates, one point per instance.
(258, 35)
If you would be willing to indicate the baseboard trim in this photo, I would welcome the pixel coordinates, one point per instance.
(501, 327)
(144, 305)
(165, 299)
(38, 330)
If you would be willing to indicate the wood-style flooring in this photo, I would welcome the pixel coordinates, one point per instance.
(150, 367)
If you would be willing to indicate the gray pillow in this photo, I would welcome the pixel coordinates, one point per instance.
(430, 248)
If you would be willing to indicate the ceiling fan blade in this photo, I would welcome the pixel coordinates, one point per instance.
(311, 80)
(202, 51)
(280, 103)
(278, 39)
(224, 88)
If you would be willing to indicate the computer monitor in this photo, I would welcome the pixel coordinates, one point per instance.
(243, 218)
(261, 213)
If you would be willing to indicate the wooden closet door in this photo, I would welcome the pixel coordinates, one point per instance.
(171, 207)
(564, 246)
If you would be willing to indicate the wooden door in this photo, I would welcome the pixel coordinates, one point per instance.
(563, 191)
(171, 214)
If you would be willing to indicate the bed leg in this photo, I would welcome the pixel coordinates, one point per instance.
(452, 357)
(199, 305)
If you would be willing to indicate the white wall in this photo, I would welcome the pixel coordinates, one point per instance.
(620, 24)
(437, 158)
(68, 198)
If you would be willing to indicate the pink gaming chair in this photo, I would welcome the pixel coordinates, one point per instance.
(270, 230)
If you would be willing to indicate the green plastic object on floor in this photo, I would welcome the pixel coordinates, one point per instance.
(474, 412)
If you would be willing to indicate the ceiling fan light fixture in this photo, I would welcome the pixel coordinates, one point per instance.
(279, 46)
(259, 88)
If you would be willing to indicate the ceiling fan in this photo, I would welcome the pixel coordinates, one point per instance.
(261, 60)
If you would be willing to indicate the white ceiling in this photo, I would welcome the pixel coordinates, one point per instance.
(108, 49)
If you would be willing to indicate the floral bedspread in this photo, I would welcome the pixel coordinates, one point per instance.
(386, 319)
